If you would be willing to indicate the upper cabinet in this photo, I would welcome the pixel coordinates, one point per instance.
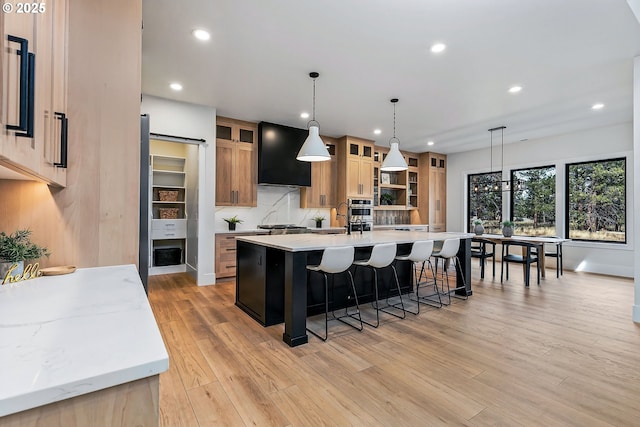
(322, 193)
(236, 167)
(356, 163)
(33, 111)
(433, 176)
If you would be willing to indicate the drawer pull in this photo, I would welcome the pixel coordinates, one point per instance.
(230, 266)
(230, 249)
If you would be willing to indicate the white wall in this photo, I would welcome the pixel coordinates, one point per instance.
(193, 121)
(594, 144)
(636, 155)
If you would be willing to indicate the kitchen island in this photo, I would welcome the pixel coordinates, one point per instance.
(79, 349)
(271, 280)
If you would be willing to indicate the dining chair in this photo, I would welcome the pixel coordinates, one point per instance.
(556, 253)
(528, 255)
(483, 248)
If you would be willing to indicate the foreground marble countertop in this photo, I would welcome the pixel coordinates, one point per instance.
(63, 336)
(312, 242)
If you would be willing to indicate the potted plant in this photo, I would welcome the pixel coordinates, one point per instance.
(16, 248)
(318, 219)
(232, 222)
(507, 228)
(386, 199)
(478, 227)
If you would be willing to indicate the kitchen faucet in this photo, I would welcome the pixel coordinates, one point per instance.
(346, 217)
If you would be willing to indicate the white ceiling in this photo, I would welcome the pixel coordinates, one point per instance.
(567, 55)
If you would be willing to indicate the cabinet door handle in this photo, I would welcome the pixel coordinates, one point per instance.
(64, 132)
(27, 81)
(437, 205)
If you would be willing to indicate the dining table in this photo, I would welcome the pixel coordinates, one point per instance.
(539, 241)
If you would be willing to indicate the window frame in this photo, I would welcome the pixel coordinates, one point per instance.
(513, 189)
(469, 192)
(567, 228)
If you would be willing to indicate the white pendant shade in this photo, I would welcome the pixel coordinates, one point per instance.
(313, 149)
(394, 160)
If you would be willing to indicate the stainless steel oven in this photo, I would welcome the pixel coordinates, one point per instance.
(361, 214)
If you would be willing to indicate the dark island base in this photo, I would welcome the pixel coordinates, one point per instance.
(271, 285)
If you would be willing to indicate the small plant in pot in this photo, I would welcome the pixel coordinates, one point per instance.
(232, 222)
(507, 228)
(478, 227)
(386, 199)
(318, 219)
(16, 248)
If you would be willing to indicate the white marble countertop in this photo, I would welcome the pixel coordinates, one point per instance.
(63, 336)
(423, 227)
(265, 231)
(307, 242)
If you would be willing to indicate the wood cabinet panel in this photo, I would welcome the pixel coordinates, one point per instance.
(433, 176)
(35, 155)
(225, 262)
(225, 161)
(322, 193)
(236, 163)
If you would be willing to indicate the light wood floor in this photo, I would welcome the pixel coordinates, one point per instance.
(564, 353)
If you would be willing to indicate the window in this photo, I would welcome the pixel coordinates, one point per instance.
(484, 201)
(596, 201)
(533, 201)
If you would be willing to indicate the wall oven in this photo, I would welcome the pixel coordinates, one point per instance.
(361, 214)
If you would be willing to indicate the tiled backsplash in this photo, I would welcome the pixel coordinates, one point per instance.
(391, 217)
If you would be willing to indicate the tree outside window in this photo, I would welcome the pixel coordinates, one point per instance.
(484, 202)
(533, 201)
(596, 201)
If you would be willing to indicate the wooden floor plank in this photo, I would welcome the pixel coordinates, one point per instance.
(562, 353)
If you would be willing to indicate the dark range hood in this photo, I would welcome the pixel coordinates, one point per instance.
(278, 146)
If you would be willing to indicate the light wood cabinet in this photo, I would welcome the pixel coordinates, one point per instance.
(358, 167)
(433, 176)
(226, 253)
(52, 120)
(322, 193)
(33, 111)
(17, 147)
(236, 163)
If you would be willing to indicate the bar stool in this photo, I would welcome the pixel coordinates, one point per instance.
(382, 256)
(335, 260)
(420, 254)
(449, 254)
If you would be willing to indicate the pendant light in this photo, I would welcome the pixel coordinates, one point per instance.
(503, 184)
(313, 149)
(394, 161)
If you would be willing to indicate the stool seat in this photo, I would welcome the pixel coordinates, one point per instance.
(420, 254)
(382, 256)
(449, 254)
(336, 260)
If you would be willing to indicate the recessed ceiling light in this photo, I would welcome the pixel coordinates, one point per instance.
(597, 106)
(175, 86)
(201, 35)
(515, 89)
(438, 47)
(304, 115)
(430, 142)
(377, 131)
